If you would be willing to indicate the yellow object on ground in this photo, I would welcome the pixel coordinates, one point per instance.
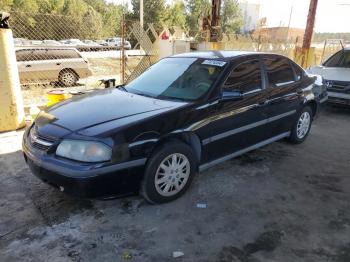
(55, 96)
(11, 102)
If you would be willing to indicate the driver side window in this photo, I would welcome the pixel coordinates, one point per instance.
(244, 78)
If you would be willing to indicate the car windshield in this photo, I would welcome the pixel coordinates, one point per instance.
(177, 78)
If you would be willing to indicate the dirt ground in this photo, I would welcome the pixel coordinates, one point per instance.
(281, 203)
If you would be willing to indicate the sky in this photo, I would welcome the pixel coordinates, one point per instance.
(332, 15)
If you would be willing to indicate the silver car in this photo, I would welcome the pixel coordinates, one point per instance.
(65, 65)
(336, 74)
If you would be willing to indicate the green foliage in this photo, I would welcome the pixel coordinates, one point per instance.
(175, 14)
(320, 37)
(195, 10)
(153, 11)
(5, 5)
(62, 19)
(231, 21)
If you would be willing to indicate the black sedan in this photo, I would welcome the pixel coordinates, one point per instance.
(184, 114)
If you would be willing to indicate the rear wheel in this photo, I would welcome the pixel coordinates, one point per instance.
(68, 78)
(169, 173)
(302, 126)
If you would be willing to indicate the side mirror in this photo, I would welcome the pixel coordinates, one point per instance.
(231, 95)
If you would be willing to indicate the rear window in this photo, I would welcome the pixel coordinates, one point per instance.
(279, 71)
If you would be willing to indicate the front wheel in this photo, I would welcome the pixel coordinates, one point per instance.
(169, 173)
(302, 126)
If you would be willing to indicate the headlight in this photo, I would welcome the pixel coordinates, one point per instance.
(85, 151)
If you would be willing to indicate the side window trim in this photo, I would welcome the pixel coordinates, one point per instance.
(262, 73)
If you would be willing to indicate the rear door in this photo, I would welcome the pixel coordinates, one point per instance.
(284, 91)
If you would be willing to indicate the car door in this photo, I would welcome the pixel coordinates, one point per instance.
(284, 93)
(237, 122)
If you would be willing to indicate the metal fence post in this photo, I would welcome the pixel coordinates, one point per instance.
(11, 103)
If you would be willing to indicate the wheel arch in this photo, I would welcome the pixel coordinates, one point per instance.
(314, 106)
(189, 138)
(68, 69)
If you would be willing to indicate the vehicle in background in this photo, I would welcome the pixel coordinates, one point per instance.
(36, 42)
(102, 42)
(117, 42)
(336, 76)
(72, 42)
(51, 43)
(91, 43)
(19, 41)
(65, 65)
(184, 114)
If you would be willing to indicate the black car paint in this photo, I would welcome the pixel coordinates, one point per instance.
(135, 125)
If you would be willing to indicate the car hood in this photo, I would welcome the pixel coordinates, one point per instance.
(99, 107)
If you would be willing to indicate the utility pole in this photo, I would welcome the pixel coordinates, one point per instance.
(123, 58)
(310, 24)
(215, 20)
(141, 14)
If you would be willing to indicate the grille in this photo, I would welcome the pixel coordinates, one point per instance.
(340, 86)
(39, 141)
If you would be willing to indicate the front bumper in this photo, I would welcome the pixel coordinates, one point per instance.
(85, 181)
(338, 98)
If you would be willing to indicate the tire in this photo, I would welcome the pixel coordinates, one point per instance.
(160, 185)
(68, 78)
(300, 128)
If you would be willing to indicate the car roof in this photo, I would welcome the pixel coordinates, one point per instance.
(220, 54)
(45, 48)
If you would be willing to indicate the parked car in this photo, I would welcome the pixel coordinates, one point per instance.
(336, 74)
(117, 42)
(65, 65)
(19, 41)
(91, 43)
(185, 114)
(72, 42)
(51, 43)
(102, 42)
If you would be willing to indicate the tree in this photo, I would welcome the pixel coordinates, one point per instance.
(195, 10)
(154, 11)
(231, 20)
(175, 14)
(5, 5)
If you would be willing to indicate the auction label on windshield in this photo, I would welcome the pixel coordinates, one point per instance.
(214, 63)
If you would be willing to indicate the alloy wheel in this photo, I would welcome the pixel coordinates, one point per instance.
(172, 174)
(68, 78)
(303, 125)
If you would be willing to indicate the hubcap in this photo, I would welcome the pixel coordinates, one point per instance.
(172, 174)
(303, 125)
(68, 78)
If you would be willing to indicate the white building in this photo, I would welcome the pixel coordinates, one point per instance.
(251, 15)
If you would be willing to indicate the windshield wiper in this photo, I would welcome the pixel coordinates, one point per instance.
(122, 87)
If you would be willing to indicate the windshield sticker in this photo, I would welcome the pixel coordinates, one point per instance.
(214, 63)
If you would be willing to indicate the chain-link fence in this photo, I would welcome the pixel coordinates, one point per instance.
(75, 53)
(78, 53)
